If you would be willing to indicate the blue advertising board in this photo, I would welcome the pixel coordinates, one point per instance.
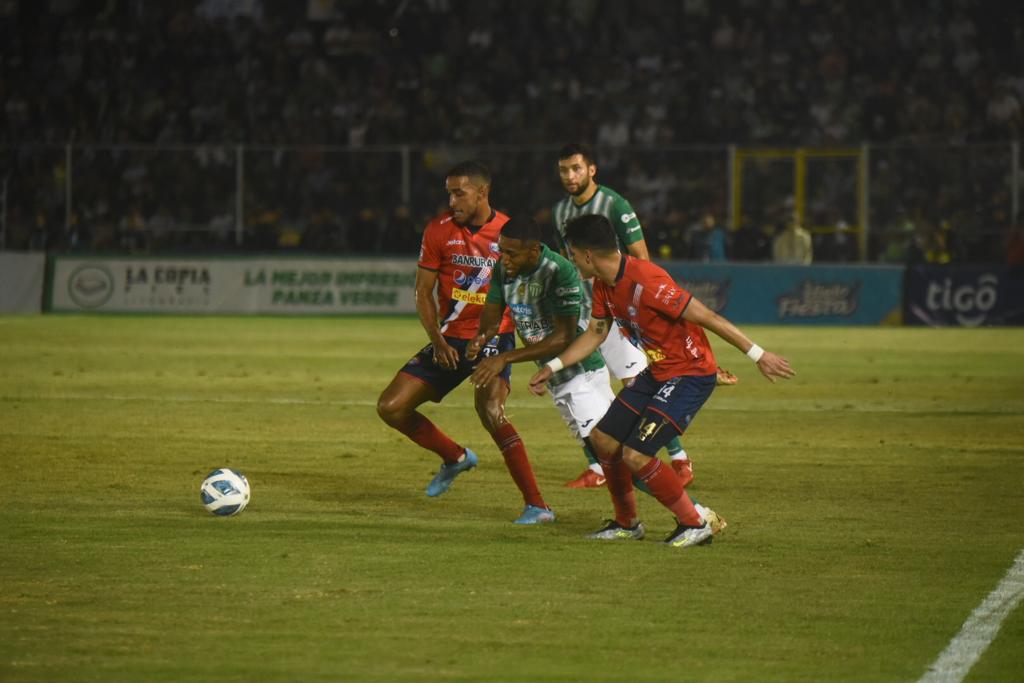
(806, 295)
(964, 296)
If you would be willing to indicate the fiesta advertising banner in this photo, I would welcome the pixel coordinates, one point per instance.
(225, 285)
(806, 295)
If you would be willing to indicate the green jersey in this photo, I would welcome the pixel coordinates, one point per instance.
(605, 202)
(535, 298)
(613, 206)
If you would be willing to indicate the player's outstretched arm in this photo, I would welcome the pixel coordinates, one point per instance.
(581, 347)
(771, 365)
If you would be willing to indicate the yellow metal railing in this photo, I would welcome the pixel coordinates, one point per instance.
(799, 157)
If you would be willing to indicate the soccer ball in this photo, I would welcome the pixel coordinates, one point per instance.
(225, 492)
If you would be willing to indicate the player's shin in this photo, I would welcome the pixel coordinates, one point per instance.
(514, 451)
(665, 486)
(620, 486)
(425, 433)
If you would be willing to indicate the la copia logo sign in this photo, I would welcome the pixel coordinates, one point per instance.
(90, 286)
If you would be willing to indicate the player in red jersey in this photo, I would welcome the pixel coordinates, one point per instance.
(669, 325)
(458, 255)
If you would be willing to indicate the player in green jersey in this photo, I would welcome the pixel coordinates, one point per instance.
(543, 292)
(576, 169)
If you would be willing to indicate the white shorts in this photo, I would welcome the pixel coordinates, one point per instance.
(583, 400)
(622, 358)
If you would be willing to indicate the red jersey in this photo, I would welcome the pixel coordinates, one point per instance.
(648, 305)
(464, 260)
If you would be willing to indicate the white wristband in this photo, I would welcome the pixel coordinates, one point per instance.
(755, 353)
(554, 364)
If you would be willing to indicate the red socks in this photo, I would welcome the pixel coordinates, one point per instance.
(514, 451)
(664, 485)
(620, 486)
(423, 432)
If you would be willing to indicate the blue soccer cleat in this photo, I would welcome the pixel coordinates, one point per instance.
(442, 481)
(535, 515)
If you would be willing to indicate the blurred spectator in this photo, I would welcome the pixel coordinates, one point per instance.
(793, 244)
(707, 240)
(752, 242)
(369, 74)
(837, 246)
(367, 230)
(402, 234)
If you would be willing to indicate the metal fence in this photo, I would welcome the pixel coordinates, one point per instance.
(888, 203)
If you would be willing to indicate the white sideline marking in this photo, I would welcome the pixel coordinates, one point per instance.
(979, 630)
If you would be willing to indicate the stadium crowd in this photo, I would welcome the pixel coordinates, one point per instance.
(659, 88)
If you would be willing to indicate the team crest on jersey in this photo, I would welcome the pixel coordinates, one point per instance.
(632, 311)
(535, 289)
(494, 247)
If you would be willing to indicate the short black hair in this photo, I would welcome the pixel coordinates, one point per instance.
(522, 226)
(591, 231)
(473, 170)
(574, 148)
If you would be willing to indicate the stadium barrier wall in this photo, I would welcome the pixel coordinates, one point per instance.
(298, 285)
(964, 296)
(21, 281)
(745, 293)
(807, 295)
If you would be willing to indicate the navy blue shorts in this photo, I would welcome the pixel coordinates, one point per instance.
(441, 380)
(648, 414)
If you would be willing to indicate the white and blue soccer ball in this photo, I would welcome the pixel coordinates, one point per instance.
(225, 492)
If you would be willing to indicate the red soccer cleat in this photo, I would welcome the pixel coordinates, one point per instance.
(588, 480)
(684, 470)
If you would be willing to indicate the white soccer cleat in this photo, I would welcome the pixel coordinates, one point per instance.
(686, 536)
(711, 517)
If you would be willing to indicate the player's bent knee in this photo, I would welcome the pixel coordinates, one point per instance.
(635, 460)
(604, 445)
(391, 409)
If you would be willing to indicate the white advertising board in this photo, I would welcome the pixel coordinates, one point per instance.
(232, 285)
(21, 282)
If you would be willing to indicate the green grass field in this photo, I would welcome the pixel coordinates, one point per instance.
(873, 502)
